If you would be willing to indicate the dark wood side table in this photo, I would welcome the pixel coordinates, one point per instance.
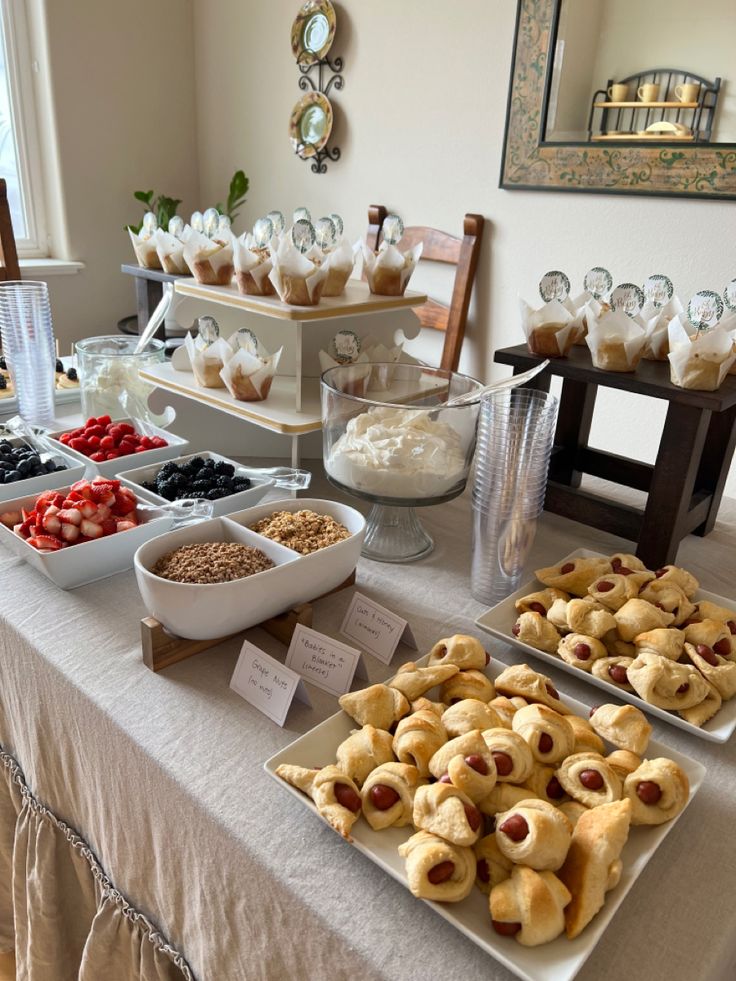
(148, 292)
(684, 486)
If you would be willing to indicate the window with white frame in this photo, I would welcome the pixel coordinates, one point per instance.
(20, 163)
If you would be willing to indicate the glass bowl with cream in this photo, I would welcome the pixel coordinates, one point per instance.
(390, 438)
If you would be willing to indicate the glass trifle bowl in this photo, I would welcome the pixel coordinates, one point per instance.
(109, 379)
(389, 438)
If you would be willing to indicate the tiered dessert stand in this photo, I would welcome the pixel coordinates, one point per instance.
(293, 404)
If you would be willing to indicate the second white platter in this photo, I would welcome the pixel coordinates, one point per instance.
(499, 620)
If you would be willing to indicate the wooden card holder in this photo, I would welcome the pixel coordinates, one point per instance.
(160, 649)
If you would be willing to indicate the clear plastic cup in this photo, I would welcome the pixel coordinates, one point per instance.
(28, 345)
(515, 436)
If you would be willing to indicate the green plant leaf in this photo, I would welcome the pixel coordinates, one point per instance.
(145, 196)
(166, 209)
(238, 186)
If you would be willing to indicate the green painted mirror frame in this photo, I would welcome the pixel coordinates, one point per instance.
(530, 163)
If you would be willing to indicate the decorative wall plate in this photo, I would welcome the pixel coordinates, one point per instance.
(310, 124)
(313, 31)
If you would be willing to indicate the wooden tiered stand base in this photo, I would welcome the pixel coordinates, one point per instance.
(162, 649)
(684, 486)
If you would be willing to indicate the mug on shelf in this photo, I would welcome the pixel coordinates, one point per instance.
(649, 92)
(688, 92)
(618, 92)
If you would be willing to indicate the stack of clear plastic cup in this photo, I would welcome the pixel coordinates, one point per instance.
(515, 436)
(28, 346)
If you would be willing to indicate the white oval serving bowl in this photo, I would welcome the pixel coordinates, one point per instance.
(205, 611)
(223, 505)
(110, 468)
(77, 565)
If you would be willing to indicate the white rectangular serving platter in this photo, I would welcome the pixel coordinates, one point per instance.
(499, 620)
(81, 564)
(559, 960)
(176, 446)
(223, 505)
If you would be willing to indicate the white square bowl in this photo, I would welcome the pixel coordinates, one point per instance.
(204, 611)
(223, 505)
(110, 468)
(77, 565)
(35, 485)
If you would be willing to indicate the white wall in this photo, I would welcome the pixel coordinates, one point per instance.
(122, 94)
(420, 123)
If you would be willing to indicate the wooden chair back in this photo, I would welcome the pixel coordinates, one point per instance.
(440, 246)
(9, 268)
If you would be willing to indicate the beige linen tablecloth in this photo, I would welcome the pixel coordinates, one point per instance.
(162, 776)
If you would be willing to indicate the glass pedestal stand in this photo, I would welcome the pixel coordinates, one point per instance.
(395, 534)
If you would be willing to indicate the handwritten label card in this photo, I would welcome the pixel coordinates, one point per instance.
(324, 662)
(266, 683)
(375, 628)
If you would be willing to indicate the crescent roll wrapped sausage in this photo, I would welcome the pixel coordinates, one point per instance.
(534, 833)
(437, 869)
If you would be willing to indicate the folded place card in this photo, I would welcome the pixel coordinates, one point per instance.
(324, 662)
(266, 683)
(376, 629)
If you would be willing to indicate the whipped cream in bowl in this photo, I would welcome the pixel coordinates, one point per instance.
(402, 447)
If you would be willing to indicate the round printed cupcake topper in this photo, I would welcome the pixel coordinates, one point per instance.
(247, 340)
(301, 214)
(598, 282)
(209, 329)
(658, 289)
(729, 295)
(210, 219)
(150, 223)
(262, 231)
(338, 223)
(302, 234)
(277, 220)
(393, 229)
(325, 233)
(705, 309)
(197, 221)
(554, 285)
(345, 346)
(628, 297)
(176, 225)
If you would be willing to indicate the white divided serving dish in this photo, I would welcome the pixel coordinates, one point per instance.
(223, 505)
(204, 611)
(110, 468)
(499, 620)
(77, 565)
(35, 485)
(559, 960)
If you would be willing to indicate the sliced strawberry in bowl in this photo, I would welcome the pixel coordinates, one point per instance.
(45, 543)
(90, 529)
(70, 516)
(52, 523)
(70, 533)
(124, 525)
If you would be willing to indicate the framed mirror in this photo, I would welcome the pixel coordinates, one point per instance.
(623, 97)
